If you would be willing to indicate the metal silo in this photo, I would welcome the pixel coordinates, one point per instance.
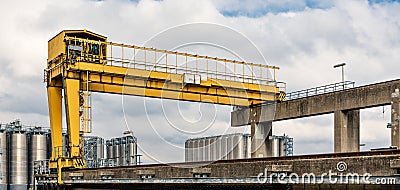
(218, 148)
(230, 146)
(207, 149)
(213, 149)
(131, 147)
(123, 156)
(201, 150)
(109, 149)
(224, 151)
(37, 150)
(3, 158)
(275, 146)
(18, 160)
(238, 144)
(116, 150)
(100, 148)
(189, 157)
(195, 150)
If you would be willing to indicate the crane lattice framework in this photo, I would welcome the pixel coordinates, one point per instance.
(80, 62)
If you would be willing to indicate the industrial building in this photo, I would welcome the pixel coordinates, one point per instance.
(232, 146)
(122, 151)
(24, 149)
(20, 146)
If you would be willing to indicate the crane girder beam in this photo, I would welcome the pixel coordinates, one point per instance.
(128, 81)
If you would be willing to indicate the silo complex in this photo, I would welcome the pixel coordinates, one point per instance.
(232, 146)
(20, 146)
(122, 151)
(222, 147)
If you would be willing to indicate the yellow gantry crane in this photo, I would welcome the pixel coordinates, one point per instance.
(80, 62)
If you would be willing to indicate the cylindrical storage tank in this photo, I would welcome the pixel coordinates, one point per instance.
(190, 150)
(275, 147)
(201, 149)
(218, 144)
(117, 152)
(213, 149)
(3, 160)
(238, 147)
(18, 161)
(131, 150)
(224, 151)
(110, 150)
(100, 148)
(123, 156)
(195, 150)
(229, 147)
(187, 151)
(207, 149)
(37, 151)
(282, 147)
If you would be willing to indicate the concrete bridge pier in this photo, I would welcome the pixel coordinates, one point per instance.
(261, 145)
(395, 111)
(347, 131)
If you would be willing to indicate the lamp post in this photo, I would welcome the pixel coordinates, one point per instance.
(341, 65)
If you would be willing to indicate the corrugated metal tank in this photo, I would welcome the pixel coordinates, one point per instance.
(213, 148)
(100, 148)
(18, 161)
(123, 152)
(3, 160)
(117, 151)
(37, 151)
(110, 150)
(218, 148)
(190, 151)
(238, 147)
(275, 147)
(229, 147)
(201, 150)
(132, 150)
(207, 149)
(195, 151)
(224, 147)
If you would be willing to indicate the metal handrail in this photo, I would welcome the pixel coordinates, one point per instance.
(173, 62)
(320, 90)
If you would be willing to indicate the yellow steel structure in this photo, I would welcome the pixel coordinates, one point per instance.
(80, 62)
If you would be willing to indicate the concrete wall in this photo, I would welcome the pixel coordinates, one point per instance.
(376, 165)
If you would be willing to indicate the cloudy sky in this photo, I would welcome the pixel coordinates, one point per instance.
(305, 38)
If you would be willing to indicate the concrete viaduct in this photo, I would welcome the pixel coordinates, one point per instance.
(345, 105)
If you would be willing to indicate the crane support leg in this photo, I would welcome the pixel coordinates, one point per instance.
(72, 102)
(54, 95)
